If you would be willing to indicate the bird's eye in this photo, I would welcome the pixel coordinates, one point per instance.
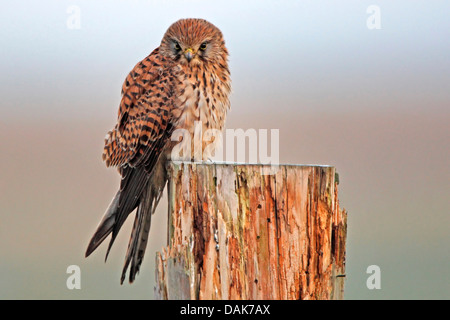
(203, 46)
(177, 46)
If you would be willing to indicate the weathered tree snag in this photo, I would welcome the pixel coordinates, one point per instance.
(237, 233)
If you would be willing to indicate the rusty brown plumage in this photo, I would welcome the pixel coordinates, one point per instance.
(185, 80)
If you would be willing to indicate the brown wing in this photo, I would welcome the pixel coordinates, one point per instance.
(134, 145)
(143, 128)
(144, 116)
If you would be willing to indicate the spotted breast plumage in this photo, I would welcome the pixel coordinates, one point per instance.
(185, 81)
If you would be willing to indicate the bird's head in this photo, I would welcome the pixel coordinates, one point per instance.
(194, 41)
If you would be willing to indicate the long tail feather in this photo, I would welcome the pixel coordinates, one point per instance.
(105, 226)
(141, 228)
(124, 202)
(129, 200)
(140, 189)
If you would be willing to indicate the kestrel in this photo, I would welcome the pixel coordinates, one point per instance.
(185, 80)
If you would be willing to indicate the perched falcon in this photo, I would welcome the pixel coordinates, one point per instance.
(185, 80)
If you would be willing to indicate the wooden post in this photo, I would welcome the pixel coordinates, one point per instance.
(236, 232)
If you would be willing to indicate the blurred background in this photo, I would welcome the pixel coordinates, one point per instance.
(374, 103)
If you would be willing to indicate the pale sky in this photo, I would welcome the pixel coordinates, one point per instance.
(317, 53)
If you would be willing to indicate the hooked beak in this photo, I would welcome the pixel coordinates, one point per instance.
(189, 54)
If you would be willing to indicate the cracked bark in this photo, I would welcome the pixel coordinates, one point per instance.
(236, 233)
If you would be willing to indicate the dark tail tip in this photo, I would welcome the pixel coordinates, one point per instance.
(91, 247)
(105, 226)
